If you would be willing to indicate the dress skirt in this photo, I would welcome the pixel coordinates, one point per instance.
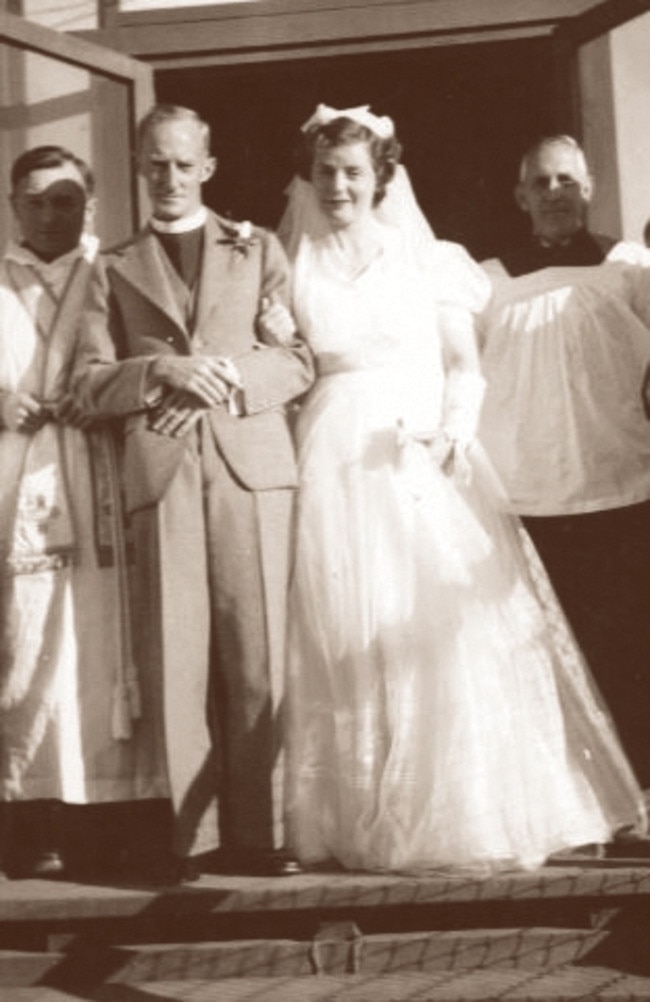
(440, 713)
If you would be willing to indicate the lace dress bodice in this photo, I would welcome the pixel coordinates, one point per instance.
(384, 322)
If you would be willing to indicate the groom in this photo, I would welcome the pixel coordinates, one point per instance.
(173, 345)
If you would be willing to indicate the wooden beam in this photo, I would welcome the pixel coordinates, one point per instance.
(281, 29)
(438, 14)
(601, 18)
(208, 31)
(69, 48)
(278, 28)
(194, 61)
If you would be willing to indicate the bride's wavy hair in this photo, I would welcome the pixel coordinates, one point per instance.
(384, 153)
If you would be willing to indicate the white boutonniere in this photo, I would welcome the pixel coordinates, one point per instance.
(241, 237)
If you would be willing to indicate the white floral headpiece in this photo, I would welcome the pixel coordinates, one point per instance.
(382, 126)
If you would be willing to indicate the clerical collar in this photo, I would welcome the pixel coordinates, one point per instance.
(555, 244)
(583, 249)
(183, 225)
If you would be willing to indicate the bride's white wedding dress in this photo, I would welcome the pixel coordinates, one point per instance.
(439, 712)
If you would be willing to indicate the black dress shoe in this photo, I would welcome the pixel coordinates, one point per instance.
(281, 864)
(33, 836)
(48, 864)
(628, 843)
(258, 863)
(183, 871)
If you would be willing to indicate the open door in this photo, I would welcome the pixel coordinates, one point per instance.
(55, 88)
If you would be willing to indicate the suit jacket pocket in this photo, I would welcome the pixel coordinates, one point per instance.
(258, 449)
(150, 462)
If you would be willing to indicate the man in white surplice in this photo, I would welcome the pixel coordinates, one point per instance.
(567, 360)
(69, 703)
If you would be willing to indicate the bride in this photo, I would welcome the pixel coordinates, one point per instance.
(440, 714)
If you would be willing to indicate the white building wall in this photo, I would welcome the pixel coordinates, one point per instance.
(631, 89)
(82, 15)
(615, 96)
(63, 15)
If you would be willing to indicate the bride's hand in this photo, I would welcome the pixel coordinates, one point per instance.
(451, 457)
(442, 450)
(275, 325)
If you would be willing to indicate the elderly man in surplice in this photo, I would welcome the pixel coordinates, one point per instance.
(566, 359)
(174, 343)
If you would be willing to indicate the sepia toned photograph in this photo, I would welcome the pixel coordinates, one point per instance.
(324, 500)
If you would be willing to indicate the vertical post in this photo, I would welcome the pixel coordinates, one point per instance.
(107, 13)
(143, 96)
(600, 134)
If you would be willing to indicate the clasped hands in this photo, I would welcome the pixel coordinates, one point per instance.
(195, 384)
(26, 414)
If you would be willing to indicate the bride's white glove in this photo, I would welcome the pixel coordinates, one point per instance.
(464, 392)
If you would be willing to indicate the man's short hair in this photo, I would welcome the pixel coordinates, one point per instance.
(44, 157)
(172, 113)
(553, 140)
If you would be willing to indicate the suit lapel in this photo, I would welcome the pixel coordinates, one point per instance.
(143, 266)
(217, 253)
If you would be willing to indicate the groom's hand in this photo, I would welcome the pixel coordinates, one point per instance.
(177, 414)
(208, 377)
(67, 410)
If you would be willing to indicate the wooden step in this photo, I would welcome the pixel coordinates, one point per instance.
(95, 942)
(23, 901)
(565, 984)
(327, 954)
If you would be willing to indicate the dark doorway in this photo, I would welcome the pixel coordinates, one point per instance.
(464, 115)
